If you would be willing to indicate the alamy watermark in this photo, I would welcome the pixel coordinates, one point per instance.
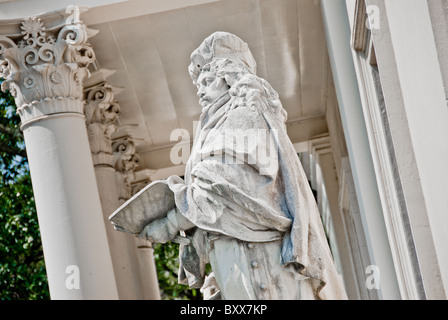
(373, 278)
(74, 17)
(257, 147)
(72, 282)
(373, 17)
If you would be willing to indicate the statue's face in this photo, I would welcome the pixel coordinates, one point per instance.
(210, 88)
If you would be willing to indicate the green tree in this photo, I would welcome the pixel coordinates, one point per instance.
(167, 264)
(22, 267)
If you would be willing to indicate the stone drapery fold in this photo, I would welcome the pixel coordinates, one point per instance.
(255, 192)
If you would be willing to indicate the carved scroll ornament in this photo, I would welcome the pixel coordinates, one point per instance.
(44, 69)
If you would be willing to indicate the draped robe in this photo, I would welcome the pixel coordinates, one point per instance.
(254, 192)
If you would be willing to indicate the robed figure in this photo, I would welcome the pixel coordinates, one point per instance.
(245, 202)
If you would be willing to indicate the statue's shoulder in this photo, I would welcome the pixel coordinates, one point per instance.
(256, 94)
(249, 85)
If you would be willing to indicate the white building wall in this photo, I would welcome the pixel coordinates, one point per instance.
(338, 34)
(409, 150)
(423, 95)
(375, 113)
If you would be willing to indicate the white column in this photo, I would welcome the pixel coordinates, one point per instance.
(44, 71)
(102, 113)
(338, 43)
(148, 270)
(126, 160)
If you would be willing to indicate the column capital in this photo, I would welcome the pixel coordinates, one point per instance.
(44, 68)
(126, 160)
(102, 116)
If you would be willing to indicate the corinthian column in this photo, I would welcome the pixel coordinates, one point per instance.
(126, 160)
(44, 70)
(102, 113)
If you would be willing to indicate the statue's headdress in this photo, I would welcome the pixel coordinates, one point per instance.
(221, 45)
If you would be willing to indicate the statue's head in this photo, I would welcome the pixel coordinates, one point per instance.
(220, 60)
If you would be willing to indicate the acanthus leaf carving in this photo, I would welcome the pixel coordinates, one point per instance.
(126, 160)
(44, 70)
(102, 119)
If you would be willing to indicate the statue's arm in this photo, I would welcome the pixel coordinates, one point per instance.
(167, 228)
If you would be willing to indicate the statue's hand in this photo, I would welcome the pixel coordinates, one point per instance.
(158, 231)
(165, 229)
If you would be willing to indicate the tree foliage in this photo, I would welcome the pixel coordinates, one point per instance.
(167, 263)
(22, 268)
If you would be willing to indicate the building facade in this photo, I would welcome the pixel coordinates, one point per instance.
(107, 106)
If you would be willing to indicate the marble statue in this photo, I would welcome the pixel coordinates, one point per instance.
(245, 203)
